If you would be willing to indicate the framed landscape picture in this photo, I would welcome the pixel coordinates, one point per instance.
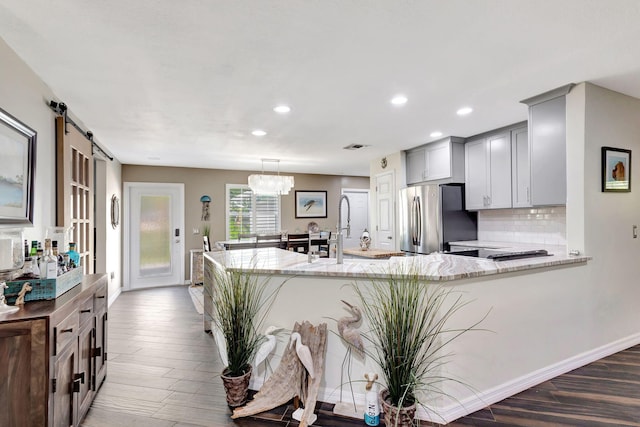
(311, 204)
(616, 170)
(17, 170)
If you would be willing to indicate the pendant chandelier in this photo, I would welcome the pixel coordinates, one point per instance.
(270, 184)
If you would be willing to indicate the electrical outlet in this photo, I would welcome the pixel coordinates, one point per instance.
(196, 231)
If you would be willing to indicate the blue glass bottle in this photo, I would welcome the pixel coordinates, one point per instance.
(74, 256)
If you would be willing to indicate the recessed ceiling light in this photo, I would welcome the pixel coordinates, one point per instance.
(464, 111)
(399, 100)
(258, 132)
(435, 134)
(282, 109)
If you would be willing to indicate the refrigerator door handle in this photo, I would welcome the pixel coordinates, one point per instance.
(412, 217)
(414, 220)
(418, 231)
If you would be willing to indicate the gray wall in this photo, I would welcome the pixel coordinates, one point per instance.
(25, 96)
(212, 182)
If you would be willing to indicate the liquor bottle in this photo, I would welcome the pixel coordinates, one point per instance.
(57, 257)
(74, 257)
(34, 248)
(50, 263)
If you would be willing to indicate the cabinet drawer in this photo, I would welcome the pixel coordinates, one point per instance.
(85, 310)
(66, 331)
(100, 298)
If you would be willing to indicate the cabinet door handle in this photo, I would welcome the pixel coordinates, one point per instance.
(100, 296)
(97, 352)
(66, 330)
(77, 380)
(86, 311)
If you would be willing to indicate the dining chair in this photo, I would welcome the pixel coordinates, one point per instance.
(298, 242)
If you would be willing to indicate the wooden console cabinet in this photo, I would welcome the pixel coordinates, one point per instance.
(53, 357)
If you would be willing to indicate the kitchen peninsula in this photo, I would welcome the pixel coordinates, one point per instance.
(529, 301)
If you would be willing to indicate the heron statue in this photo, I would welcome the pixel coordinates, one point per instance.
(303, 352)
(268, 346)
(346, 329)
(351, 335)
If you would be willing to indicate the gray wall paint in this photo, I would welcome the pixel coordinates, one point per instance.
(212, 182)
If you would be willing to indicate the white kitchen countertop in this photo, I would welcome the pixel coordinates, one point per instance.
(436, 267)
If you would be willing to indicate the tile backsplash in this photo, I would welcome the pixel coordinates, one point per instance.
(528, 225)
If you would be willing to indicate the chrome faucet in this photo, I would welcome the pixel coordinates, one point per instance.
(340, 242)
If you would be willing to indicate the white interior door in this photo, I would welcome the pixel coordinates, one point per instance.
(359, 203)
(385, 202)
(153, 232)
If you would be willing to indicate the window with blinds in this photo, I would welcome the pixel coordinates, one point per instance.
(248, 213)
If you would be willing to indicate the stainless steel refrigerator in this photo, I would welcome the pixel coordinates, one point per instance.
(433, 215)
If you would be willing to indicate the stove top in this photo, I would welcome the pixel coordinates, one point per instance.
(498, 255)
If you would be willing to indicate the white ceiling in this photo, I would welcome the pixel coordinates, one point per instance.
(184, 83)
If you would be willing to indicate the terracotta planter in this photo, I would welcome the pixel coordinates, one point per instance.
(237, 388)
(394, 416)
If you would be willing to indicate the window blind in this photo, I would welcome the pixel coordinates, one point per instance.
(248, 213)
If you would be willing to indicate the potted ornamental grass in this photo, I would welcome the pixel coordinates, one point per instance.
(241, 302)
(407, 335)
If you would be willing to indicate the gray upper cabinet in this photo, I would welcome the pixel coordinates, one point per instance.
(488, 171)
(547, 130)
(441, 161)
(520, 170)
(548, 146)
(416, 161)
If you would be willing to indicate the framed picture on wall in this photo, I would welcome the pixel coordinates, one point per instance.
(616, 170)
(311, 204)
(17, 170)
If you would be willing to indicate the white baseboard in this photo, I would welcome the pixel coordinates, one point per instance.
(488, 397)
(482, 399)
(113, 297)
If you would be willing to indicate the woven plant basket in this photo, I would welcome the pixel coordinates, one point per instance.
(394, 416)
(237, 388)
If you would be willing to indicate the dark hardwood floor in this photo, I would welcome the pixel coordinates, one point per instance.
(163, 371)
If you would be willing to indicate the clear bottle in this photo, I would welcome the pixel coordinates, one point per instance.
(74, 256)
(27, 270)
(57, 257)
(50, 263)
(35, 268)
(38, 260)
